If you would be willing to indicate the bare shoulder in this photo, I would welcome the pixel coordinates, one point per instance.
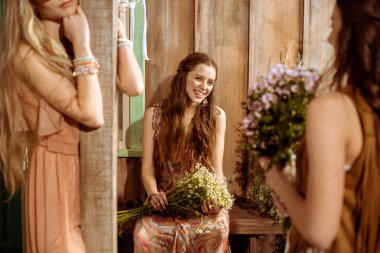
(219, 112)
(152, 117)
(332, 103)
(149, 111)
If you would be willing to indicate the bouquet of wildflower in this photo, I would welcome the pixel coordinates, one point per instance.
(276, 112)
(187, 197)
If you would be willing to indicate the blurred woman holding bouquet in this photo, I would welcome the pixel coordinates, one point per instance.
(186, 128)
(334, 203)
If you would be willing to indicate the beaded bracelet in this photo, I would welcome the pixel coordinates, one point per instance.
(84, 59)
(124, 42)
(87, 65)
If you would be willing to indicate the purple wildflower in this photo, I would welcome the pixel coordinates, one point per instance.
(292, 73)
(294, 88)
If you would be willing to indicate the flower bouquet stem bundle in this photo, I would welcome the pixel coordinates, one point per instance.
(186, 198)
(276, 112)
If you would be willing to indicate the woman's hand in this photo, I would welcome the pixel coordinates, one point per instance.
(158, 201)
(273, 175)
(281, 207)
(274, 178)
(76, 29)
(210, 207)
(121, 29)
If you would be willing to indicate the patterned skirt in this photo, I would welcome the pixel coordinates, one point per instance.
(177, 234)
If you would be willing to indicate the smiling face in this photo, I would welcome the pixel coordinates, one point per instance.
(200, 82)
(55, 10)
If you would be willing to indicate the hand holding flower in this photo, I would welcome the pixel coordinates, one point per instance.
(158, 201)
(197, 193)
(210, 207)
(280, 205)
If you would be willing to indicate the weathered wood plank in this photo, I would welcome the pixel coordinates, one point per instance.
(249, 222)
(221, 30)
(274, 26)
(317, 19)
(98, 148)
(170, 39)
(129, 185)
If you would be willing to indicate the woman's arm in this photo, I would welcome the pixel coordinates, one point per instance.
(209, 207)
(147, 172)
(158, 199)
(219, 144)
(130, 79)
(317, 216)
(82, 103)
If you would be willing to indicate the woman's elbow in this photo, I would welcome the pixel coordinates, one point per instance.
(94, 121)
(138, 89)
(321, 238)
(323, 243)
(132, 89)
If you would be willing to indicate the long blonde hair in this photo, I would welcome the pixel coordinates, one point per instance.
(20, 26)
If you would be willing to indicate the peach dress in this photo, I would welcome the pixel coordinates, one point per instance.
(52, 190)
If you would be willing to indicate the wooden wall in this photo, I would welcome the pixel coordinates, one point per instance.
(245, 38)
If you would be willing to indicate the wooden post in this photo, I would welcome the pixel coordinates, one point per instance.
(98, 148)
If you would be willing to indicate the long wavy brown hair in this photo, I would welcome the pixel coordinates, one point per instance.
(173, 143)
(358, 51)
(358, 60)
(20, 26)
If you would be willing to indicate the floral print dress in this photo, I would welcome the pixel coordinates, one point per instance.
(178, 234)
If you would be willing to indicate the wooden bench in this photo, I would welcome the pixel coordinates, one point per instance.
(251, 232)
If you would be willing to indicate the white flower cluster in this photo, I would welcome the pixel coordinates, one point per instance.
(203, 185)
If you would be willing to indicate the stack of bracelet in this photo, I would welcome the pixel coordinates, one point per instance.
(87, 65)
(124, 42)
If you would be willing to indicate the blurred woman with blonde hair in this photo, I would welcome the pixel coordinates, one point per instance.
(49, 87)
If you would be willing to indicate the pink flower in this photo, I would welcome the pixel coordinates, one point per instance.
(310, 85)
(246, 121)
(267, 98)
(257, 115)
(294, 88)
(282, 92)
(249, 133)
(256, 105)
(276, 73)
(292, 72)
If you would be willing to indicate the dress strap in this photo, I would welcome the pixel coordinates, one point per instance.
(157, 115)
